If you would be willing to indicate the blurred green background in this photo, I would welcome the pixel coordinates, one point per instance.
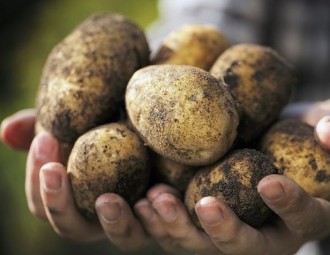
(28, 31)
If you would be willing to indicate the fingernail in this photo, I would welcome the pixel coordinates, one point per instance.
(110, 212)
(51, 180)
(272, 191)
(144, 210)
(209, 212)
(45, 146)
(166, 210)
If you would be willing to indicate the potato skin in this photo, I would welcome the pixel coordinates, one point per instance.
(233, 180)
(85, 75)
(109, 158)
(182, 112)
(261, 82)
(297, 154)
(196, 45)
(170, 172)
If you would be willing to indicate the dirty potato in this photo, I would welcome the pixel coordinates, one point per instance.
(193, 44)
(234, 180)
(170, 172)
(85, 75)
(183, 113)
(299, 156)
(261, 82)
(109, 158)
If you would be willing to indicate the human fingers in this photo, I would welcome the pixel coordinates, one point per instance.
(150, 219)
(17, 130)
(308, 112)
(57, 199)
(154, 226)
(120, 224)
(179, 226)
(60, 207)
(305, 218)
(160, 188)
(322, 132)
(316, 111)
(227, 232)
(44, 149)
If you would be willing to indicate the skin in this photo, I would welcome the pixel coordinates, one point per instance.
(193, 44)
(85, 75)
(261, 73)
(183, 113)
(162, 214)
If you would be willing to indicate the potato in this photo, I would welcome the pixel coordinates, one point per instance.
(234, 180)
(261, 82)
(193, 44)
(170, 172)
(182, 112)
(85, 75)
(299, 156)
(109, 158)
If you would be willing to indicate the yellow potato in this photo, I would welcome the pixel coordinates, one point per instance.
(261, 82)
(299, 156)
(182, 112)
(196, 45)
(85, 76)
(170, 172)
(107, 159)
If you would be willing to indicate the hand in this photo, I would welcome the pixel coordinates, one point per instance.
(301, 217)
(49, 194)
(308, 112)
(167, 221)
(315, 114)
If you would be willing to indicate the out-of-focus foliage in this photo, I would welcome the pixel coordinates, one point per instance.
(28, 31)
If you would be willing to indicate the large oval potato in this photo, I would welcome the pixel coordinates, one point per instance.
(197, 45)
(261, 82)
(234, 180)
(109, 158)
(182, 112)
(297, 154)
(85, 75)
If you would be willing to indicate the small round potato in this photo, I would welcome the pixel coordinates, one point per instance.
(109, 158)
(85, 76)
(299, 156)
(182, 112)
(196, 45)
(234, 180)
(261, 82)
(170, 172)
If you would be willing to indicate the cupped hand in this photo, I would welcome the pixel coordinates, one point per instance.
(50, 197)
(301, 218)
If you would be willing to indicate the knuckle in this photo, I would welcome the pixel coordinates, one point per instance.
(295, 203)
(71, 235)
(229, 236)
(54, 211)
(37, 211)
(180, 235)
(305, 233)
(119, 234)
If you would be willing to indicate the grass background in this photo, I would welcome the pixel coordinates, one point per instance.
(28, 31)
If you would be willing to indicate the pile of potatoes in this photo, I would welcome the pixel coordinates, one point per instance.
(194, 114)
